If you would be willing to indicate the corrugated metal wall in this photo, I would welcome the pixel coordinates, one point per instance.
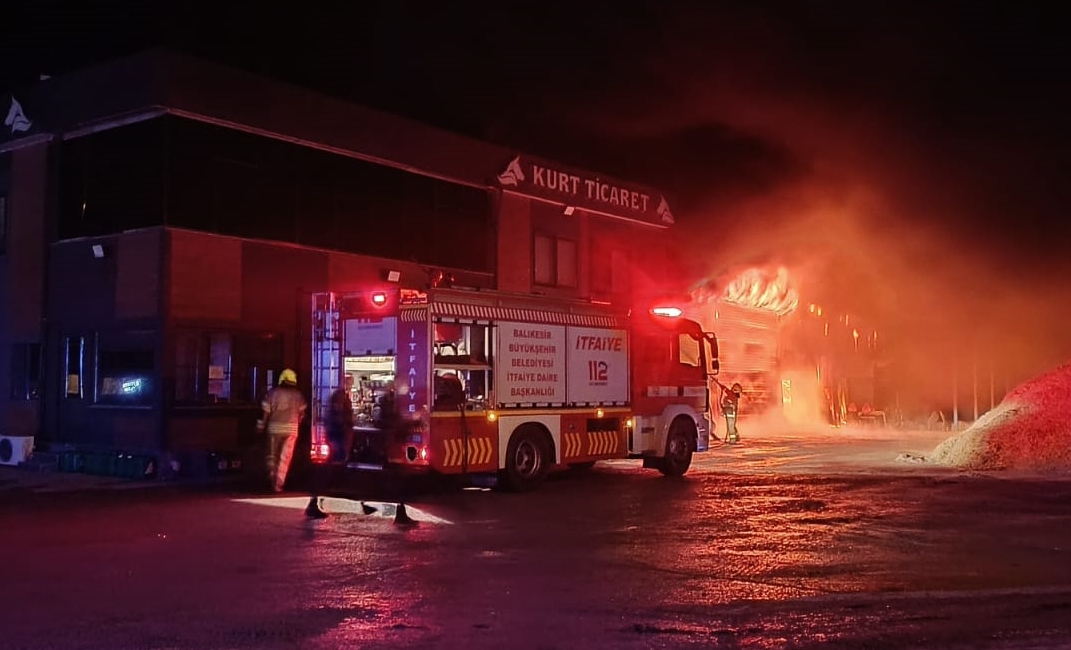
(748, 341)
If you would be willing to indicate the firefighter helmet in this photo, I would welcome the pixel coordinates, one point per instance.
(288, 376)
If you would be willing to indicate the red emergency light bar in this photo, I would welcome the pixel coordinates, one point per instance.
(668, 312)
(379, 298)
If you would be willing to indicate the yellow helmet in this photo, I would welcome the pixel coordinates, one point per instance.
(288, 376)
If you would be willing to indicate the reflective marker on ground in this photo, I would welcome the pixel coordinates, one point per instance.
(337, 506)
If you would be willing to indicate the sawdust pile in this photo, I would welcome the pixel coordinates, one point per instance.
(1030, 430)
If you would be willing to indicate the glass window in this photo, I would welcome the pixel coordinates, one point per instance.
(213, 367)
(112, 180)
(566, 259)
(554, 261)
(236, 183)
(462, 364)
(188, 382)
(126, 365)
(25, 370)
(544, 260)
(219, 366)
(689, 350)
(74, 366)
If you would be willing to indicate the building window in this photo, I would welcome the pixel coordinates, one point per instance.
(219, 367)
(235, 183)
(74, 366)
(111, 180)
(25, 371)
(555, 261)
(126, 365)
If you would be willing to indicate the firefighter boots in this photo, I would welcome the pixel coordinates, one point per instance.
(402, 518)
(313, 510)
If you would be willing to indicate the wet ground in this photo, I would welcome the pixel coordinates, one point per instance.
(789, 541)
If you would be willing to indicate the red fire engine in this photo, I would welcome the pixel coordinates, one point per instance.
(459, 381)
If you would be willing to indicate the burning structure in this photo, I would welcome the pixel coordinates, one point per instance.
(805, 365)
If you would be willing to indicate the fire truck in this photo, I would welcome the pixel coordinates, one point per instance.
(478, 382)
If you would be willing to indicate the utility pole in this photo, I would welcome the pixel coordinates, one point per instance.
(955, 396)
(974, 381)
(992, 386)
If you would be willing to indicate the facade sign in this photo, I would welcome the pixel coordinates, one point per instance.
(411, 382)
(574, 188)
(16, 118)
(531, 364)
(598, 365)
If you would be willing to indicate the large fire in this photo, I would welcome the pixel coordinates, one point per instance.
(764, 288)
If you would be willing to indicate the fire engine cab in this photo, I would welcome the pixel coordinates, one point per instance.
(472, 382)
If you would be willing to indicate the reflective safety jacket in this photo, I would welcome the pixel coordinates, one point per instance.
(284, 407)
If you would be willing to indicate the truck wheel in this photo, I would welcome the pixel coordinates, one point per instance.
(678, 456)
(527, 460)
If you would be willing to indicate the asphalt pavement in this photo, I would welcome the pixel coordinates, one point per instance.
(758, 451)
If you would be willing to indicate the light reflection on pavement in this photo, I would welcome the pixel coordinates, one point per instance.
(792, 541)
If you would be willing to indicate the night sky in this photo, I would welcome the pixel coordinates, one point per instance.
(906, 160)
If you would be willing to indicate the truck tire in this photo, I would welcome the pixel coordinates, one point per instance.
(679, 444)
(527, 460)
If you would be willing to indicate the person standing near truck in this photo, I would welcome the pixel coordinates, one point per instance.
(730, 403)
(340, 443)
(283, 408)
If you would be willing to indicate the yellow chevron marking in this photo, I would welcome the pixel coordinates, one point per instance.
(601, 443)
(479, 450)
(451, 452)
(571, 443)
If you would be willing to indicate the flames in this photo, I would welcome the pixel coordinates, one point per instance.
(763, 288)
(769, 288)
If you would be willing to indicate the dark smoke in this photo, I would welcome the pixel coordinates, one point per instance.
(907, 166)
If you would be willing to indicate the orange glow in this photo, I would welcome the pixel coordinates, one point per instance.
(763, 288)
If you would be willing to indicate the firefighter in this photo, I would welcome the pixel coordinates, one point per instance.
(730, 403)
(283, 410)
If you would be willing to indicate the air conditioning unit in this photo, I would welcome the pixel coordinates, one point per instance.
(15, 449)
